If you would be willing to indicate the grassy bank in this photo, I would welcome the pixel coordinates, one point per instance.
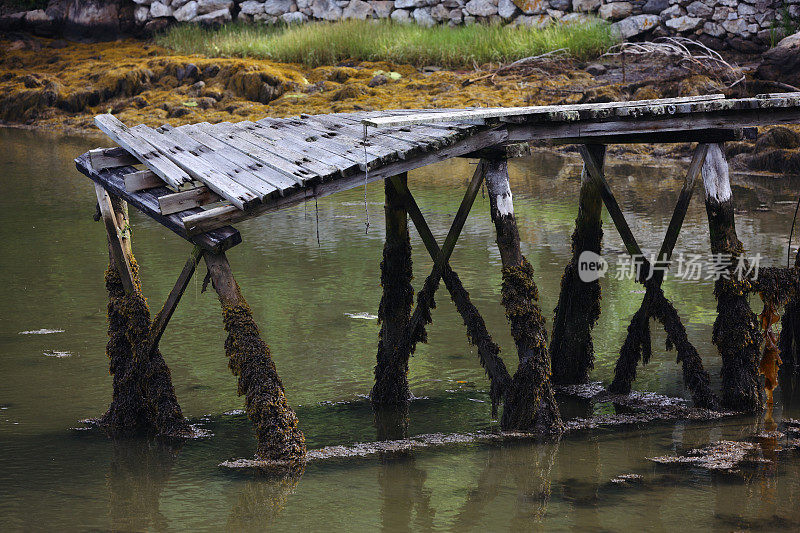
(319, 44)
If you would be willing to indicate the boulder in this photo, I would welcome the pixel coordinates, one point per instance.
(654, 7)
(636, 25)
(574, 18)
(506, 9)
(684, 23)
(440, 13)
(481, 8)
(215, 18)
(176, 4)
(383, 8)
(326, 10)
(531, 7)
(40, 23)
(92, 19)
(141, 14)
(615, 10)
(158, 10)
(12, 22)
(423, 17)
(401, 15)
(782, 63)
(699, 9)
(713, 29)
(294, 18)
(356, 9)
(411, 4)
(187, 12)
(585, 6)
(533, 21)
(250, 7)
(212, 6)
(736, 26)
(277, 7)
(561, 5)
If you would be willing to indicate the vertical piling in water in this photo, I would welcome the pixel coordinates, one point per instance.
(736, 331)
(249, 358)
(391, 389)
(529, 401)
(143, 398)
(578, 308)
(789, 340)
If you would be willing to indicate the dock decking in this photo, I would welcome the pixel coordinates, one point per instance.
(248, 168)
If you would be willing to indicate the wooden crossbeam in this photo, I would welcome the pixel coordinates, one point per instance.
(142, 180)
(161, 320)
(115, 239)
(181, 201)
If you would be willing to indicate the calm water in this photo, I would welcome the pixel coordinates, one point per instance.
(303, 292)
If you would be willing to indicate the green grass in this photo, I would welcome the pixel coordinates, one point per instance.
(318, 44)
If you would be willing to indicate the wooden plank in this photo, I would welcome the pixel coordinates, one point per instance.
(198, 168)
(161, 320)
(218, 216)
(352, 129)
(143, 151)
(667, 123)
(203, 132)
(111, 157)
(181, 201)
(121, 261)
(146, 201)
(704, 135)
(310, 143)
(141, 180)
(223, 161)
(255, 148)
(501, 112)
(329, 129)
(284, 150)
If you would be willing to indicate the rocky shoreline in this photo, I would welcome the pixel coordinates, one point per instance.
(743, 25)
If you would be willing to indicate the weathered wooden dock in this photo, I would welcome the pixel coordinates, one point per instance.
(198, 179)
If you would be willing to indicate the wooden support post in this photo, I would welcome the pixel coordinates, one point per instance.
(477, 333)
(789, 340)
(162, 318)
(736, 331)
(530, 403)
(119, 250)
(279, 438)
(578, 308)
(143, 400)
(391, 391)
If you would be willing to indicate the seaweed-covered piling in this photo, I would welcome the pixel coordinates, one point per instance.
(143, 398)
(736, 330)
(530, 402)
(279, 438)
(789, 339)
(394, 312)
(578, 308)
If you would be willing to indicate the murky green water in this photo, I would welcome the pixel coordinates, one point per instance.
(302, 292)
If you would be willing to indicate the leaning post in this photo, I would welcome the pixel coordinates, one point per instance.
(530, 403)
(249, 358)
(578, 308)
(736, 330)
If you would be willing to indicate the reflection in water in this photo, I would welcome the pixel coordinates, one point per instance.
(391, 422)
(137, 475)
(260, 501)
(405, 502)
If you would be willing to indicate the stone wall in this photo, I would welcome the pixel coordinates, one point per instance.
(744, 25)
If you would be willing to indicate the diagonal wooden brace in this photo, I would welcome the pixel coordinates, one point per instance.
(476, 327)
(161, 320)
(638, 338)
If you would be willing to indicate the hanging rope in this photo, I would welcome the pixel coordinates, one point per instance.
(366, 178)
